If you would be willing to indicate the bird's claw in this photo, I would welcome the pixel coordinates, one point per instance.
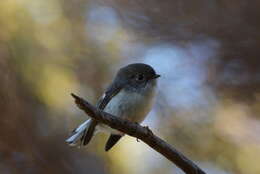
(148, 130)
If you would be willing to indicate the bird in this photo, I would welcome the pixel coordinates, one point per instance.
(130, 96)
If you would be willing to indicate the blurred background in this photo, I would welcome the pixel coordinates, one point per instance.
(208, 102)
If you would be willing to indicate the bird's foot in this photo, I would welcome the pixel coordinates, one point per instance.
(149, 132)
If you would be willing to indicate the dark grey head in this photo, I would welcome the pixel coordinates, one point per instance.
(136, 75)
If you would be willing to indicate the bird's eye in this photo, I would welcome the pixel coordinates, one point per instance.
(140, 77)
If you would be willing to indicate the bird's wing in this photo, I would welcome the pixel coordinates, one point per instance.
(108, 95)
(103, 101)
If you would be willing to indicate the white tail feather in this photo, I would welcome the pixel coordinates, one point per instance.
(78, 133)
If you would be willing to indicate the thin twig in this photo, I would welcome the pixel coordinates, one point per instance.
(140, 132)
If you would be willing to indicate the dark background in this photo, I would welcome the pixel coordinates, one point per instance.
(208, 101)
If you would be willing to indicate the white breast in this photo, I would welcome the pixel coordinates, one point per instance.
(133, 106)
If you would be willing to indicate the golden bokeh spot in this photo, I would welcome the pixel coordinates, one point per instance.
(56, 85)
(248, 159)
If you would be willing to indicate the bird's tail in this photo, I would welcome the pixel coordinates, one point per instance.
(82, 134)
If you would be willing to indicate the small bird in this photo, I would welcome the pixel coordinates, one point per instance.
(130, 96)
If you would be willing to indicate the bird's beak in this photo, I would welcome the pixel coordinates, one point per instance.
(156, 76)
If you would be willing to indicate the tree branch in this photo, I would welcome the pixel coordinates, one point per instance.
(140, 132)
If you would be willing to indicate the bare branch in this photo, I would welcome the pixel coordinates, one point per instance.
(140, 132)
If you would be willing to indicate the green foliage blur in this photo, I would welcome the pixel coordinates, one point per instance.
(50, 48)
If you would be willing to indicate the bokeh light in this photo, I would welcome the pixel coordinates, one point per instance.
(208, 98)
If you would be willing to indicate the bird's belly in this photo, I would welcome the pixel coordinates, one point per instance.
(131, 106)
